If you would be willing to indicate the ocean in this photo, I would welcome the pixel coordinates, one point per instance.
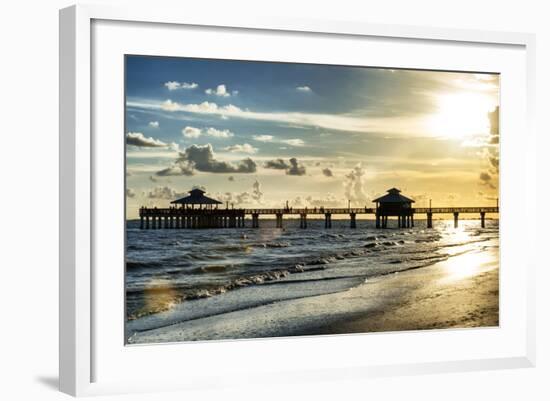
(177, 276)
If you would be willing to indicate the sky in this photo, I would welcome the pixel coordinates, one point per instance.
(259, 134)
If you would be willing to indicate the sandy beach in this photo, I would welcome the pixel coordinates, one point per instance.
(431, 298)
(459, 292)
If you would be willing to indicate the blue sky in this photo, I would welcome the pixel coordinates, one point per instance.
(258, 134)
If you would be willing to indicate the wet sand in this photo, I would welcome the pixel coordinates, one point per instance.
(434, 297)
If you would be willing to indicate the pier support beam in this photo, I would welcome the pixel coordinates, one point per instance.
(455, 214)
(303, 220)
(412, 220)
(279, 220)
(482, 219)
(352, 221)
(429, 222)
(255, 220)
(328, 220)
(147, 222)
(141, 222)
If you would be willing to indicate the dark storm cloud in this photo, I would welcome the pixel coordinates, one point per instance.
(293, 167)
(138, 139)
(327, 172)
(277, 164)
(201, 158)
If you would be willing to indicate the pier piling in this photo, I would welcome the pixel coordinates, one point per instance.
(303, 220)
(455, 214)
(255, 220)
(279, 217)
(328, 220)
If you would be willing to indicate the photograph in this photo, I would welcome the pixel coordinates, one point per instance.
(274, 199)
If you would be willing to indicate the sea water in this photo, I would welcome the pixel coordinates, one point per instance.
(180, 275)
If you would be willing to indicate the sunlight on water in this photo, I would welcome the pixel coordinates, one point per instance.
(468, 265)
(159, 295)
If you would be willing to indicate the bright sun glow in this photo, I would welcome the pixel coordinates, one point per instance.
(461, 116)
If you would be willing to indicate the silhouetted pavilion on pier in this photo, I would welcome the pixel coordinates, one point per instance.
(394, 204)
(196, 211)
(196, 197)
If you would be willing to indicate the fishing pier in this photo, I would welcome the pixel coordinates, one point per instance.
(199, 211)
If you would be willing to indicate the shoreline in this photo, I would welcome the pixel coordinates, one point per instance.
(430, 299)
(460, 292)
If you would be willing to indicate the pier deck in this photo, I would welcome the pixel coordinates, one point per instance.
(180, 217)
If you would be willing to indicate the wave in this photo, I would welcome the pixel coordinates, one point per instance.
(225, 267)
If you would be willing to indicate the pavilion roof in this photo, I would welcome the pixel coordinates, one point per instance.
(393, 196)
(196, 197)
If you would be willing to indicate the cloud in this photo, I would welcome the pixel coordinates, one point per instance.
(221, 90)
(216, 133)
(244, 148)
(304, 88)
(191, 132)
(486, 180)
(494, 125)
(257, 194)
(270, 138)
(327, 172)
(138, 139)
(295, 168)
(354, 185)
(175, 85)
(174, 146)
(251, 197)
(293, 142)
(328, 201)
(130, 193)
(345, 122)
(164, 193)
(485, 177)
(202, 108)
(263, 138)
(490, 178)
(173, 170)
(152, 178)
(154, 124)
(277, 164)
(202, 158)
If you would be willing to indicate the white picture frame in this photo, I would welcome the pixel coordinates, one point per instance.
(79, 343)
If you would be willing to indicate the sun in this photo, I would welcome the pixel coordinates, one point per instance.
(461, 116)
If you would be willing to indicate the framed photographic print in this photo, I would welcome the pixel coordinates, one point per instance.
(345, 196)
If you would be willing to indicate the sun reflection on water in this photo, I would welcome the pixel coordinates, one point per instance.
(471, 258)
